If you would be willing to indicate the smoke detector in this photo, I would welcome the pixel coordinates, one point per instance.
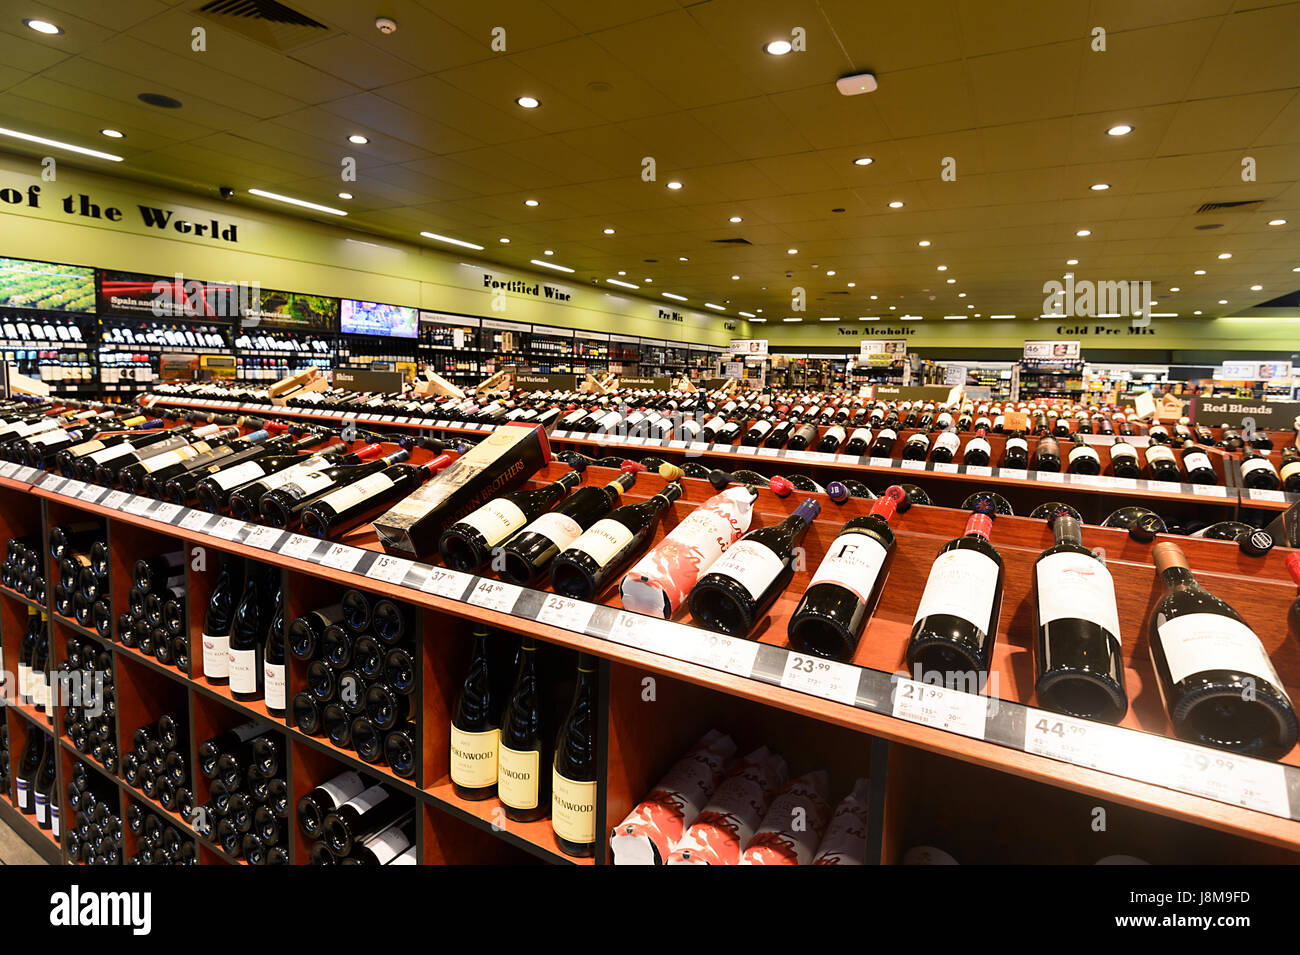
(856, 83)
(385, 25)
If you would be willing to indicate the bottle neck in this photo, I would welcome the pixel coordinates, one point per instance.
(1067, 530)
(1179, 578)
(979, 525)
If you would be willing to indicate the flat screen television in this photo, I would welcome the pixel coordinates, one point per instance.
(48, 286)
(375, 318)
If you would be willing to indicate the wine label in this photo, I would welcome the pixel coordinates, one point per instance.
(978, 444)
(474, 757)
(603, 540)
(762, 426)
(357, 492)
(388, 844)
(573, 808)
(165, 459)
(887, 434)
(281, 478)
(496, 520)
(1159, 452)
(49, 437)
(853, 561)
(1196, 460)
(239, 474)
(55, 821)
(273, 674)
(1074, 586)
(948, 439)
(963, 583)
(1020, 443)
(1196, 642)
(517, 777)
(750, 564)
(406, 858)
(368, 799)
(343, 787)
(1083, 451)
(1253, 464)
(216, 655)
(22, 790)
(1123, 451)
(560, 529)
(42, 805)
(243, 671)
(1290, 470)
(111, 453)
(306, 483)
(24, 678)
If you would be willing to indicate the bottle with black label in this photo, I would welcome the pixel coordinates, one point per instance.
(832, 613)
(1015, 456)
(805, 435)
(1078, 654)
(573, 776)
(220, 615)
(468, 544)
(1084, 458)
(522, 785)
(1124, 460)
(1215, 676)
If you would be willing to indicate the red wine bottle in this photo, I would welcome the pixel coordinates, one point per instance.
(337, 512)
(220, 616)
(180, 489)
(245, 501)
(212, 491)
(832, 613)
(468, 544)
(475, 726)
(523, 785)
(153, 460)
(573, 776)
(248, 632)
(284, 506)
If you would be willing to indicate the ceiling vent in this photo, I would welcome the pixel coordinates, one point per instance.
(1217, 206)
(265, 21)
(735, 241)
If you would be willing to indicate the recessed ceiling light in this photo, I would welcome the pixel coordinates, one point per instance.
(952, 281)
(296, 202)
(531, 203)
(961, 294)
(647, 281)
(1001, 316)
(1175, 289)
(682, 258)
(869, 318)
(791, 251)
(548, 252)
(1084, 233)
(113, 133)
(450, 241)
(551, 265)
(1277, 222)
(1197, 312)
(1099, 186)
(503, 240)
(855, 285)
(28, 137)
(1223, 301)
(621, 283)
(716, 308)
(622, 272)
(863, 161)
(941, 268)
(1071, 261)
(873, 298)
(778, 47)
(893, 307)
(924, 243)
(43, 26)
(746, 314)
(345, 195)
(528, 102)
(735, 219)
(609, 232)
(358, 139)
(735, 278)
(1123, 129)
(830, 271)
(793, 319)
(829, 318)
(674, 184)
(1225, 255)
(1256, 288)
(1199, 272)
(672, 295)
(896, 204)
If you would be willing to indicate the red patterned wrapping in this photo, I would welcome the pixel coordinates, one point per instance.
(652, 830)
(729, 820)
(845, 842)
(793, 825)
(660, 580)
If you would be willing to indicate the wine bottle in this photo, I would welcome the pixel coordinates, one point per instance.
(365, 814)
(274, 680)
(803, 436)
(883, 446)
(45, 789)
(326, 798)
(153, 472)
(858, 442)
(956, 622)
(1197, 465)
(745, 580)
(338, 511)
(1215, 677)
(573, 776)
(1083, 457)
(283, 506)
(1124, 459)
(832, 439)
(248, 630)
(245, 501)
(605, 549)
(1290, 472)
(468, 544)
(978, 452)
(1047, 456)
(529, 553)
(475, 727)
(1257, 471)
(220, 616)
(522, 787)
(28, 768)
(833, 611)
(945, 447)
(212, 491)
(1078, 656)
(1160, 459)
(917, 447)
(1015, 455)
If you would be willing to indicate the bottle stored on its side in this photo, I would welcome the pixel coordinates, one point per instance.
(1196, 462)
(1083, 457)
(1015, 456)
(1047, 456)
(1257, 472)
(342, 509)
(468, 544)
(1160, 459)
(1124, 460)
(573, 777)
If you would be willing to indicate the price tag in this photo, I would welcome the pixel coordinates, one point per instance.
(881, 462)
(1013, 473)
(769, 452)
(945, 467)
(1238, 780)
(846, 459)
(342, 557)
(914, 465)
(137, 505)
(799, 455)
(402, 420)
(565, 612)
(27, 474)
(1258, 494)
(390, 569)
(719, 652)
(1053, 477)
(441, 423)
(229, 528)
(676, 444)
(387, 417)
(940, 707)
(557, 433)
(195, 520)
(1209, 490)
(1130, 484)
(700, 446)
(7, 468)
(821, 677)
(636, 440)
(115, 499)
(299, 546)
(54, 483)
(979, 469)
(1081, 742)
(264, 537)
(73, 488)
(495, 595)
(446, 583)
(91, 492)
(166, 511)
(746, 449)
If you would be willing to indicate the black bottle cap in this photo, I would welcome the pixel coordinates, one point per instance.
(1256, 544)
(719, 479)
(1146, 527)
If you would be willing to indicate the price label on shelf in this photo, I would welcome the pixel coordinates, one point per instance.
(821, 677)
(1259, 494)
(195, 520)
(1238, 780)
(1054, 477)
(342, 557)
(446, 583)
(300, 547)
(676, 444)
(53, 483)
(265, 538)
(846, 459)
(634, 440)
(769, 452)
(441, 423)
(719, 652)
(945, 467)
(137, 505)
(799, 455)
(881, 462)
(566, 612)
(746, 449)
(914, 465)
(7, 468)
(495, 595)
(979, 469)
(1013, 473)
(700, 446)
(73, 488)
(390, 569)
(1081, 742)
(229, 528)
(115, 499)
(1098, 480)
(557, 433)
(1209, 490)
(91, 493)
(166, 511)
(940, 707)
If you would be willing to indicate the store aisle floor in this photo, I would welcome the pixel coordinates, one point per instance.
(13, 851)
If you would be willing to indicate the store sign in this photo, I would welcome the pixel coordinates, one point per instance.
(131, 294)
(882, 351)
(361, 379)
(526, 287)
(655, 384)
(733, 369)
(47, 286)
(954, 375)
(1053, 350)
(275, 309)
(913, 392)
(84, 207)
(749, 347)
(528, 381)
(1265, 415)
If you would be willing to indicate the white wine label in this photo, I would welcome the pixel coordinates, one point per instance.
(1083, 451)
(977, 444)
(1123, 451)
(306, 483)
(948, 439)
(1020, 443)
(406, 858)
(357, 492)
(853, 561)
(216, 655)
(573, 808)
(1196, 642)
(166, 459)
(1159, 452)
(343, 787)
(42, 807)
(496, 520)
(1197, 460)
(1291, 470)
(239, 474)
(88, 447)
(517, 777)
(1254, 464)
(963, 583)
(560, 529)
(24, 677)
(474, 757)
(55, 827)
(273, 674)
(281, 478)
(368, 799)
(1075, 586)
(388, 844)
(49, 437)
(750, 564)
(243, 671)
(603, 540)
(22, 788)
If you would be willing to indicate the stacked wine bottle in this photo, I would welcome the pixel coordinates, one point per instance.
(350, 820)
(94, 826)
(23, 569)
(90, 717)
(154, 621)
(80, 552)
(243, 633)
(35, 684)
(247, 809)
(35, 780)
(361, 676)
(157, 840)
(4, 756)
(157, 765)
